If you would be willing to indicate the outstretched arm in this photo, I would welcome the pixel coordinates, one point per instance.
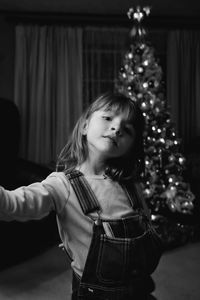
(34, 201)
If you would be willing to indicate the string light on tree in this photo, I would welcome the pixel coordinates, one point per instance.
(141, 79)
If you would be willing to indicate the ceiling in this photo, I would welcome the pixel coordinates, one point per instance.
(171, 8)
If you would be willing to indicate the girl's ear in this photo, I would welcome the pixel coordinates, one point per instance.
(85, 127)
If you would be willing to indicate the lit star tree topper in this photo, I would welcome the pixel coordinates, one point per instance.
(137, 15)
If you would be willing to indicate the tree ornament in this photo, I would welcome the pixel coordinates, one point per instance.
(140, 69)
(130, 55)
(139, 50)
(151, 83)
(181, 160)
(144, 106)
(145, 85)
(172, 158)
(145, 63)
(171, 205)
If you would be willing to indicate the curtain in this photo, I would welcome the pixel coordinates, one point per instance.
(47, 88)
(183, 83)
(102, 58)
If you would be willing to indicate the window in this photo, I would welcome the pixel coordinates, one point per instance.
(103, 50)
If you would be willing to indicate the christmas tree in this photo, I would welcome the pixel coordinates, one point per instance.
(166, 192)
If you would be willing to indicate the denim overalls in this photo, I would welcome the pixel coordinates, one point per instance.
(121, 256)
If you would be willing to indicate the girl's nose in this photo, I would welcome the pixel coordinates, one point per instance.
(116, 129)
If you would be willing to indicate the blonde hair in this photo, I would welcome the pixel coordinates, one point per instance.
(75, 151)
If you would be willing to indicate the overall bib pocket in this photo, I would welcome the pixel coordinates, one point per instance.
(122, 258)
(112, 259)
(118, 258)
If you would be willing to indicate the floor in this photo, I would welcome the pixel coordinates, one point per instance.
(48, 276)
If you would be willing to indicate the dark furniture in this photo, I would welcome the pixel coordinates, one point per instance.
(20, 240)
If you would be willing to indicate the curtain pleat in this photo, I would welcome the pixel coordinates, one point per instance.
(48, 88)
(183, 81)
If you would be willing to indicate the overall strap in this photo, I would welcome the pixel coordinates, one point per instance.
(136, 197)
(83, 191)
(133, 195)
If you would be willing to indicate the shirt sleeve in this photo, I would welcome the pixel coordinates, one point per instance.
(35, 201)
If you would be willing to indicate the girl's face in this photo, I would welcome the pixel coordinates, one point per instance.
(109, 134)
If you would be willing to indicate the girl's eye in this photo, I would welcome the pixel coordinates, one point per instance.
(128, 130)
(107, 118)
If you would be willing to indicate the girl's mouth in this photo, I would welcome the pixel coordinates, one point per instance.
(112, 138)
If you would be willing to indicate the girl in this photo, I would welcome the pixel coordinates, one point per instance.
(103, 222)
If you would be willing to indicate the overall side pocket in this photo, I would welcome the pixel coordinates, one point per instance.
(153, 249)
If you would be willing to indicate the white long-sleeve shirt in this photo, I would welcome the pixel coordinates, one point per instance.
(55, 193)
